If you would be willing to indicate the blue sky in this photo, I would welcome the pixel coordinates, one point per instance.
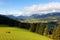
(18, 5)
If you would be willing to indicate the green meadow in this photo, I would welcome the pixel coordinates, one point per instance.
(13, 33)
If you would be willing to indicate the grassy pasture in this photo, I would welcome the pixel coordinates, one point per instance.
(11, 33)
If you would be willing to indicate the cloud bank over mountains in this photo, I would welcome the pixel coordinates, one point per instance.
(42, 8)
(36, 9)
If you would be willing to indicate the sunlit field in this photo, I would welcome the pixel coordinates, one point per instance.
(11, 33)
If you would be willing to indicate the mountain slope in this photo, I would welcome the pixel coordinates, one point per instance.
(9, 33)
(36, 16)
(55, 14)
(8, 21)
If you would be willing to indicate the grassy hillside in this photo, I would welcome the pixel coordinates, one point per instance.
(10, 33)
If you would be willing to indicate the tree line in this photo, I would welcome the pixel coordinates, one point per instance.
(50, 29)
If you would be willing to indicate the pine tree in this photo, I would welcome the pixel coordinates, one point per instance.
(41, 29)
(56, 33)
(46, 31)
(37, 28)
(32, 27)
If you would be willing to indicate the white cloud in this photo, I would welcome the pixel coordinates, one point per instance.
(35, 9)
(15, 13)
(10, 13)
(4, 12)
(42, 8)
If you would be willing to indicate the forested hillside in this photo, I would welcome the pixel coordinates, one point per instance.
(48, 29)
